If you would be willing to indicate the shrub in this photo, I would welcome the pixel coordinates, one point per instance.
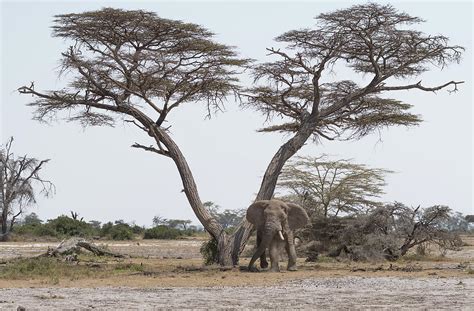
(209, 252)
(64, 225)
(162, 232)
(121, 232)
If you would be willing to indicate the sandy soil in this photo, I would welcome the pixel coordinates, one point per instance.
(321, 293)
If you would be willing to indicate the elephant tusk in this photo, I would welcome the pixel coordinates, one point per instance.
(281, 235)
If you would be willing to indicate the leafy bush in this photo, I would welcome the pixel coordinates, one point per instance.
(64, 225)
(121, 232)
(137, 229)
(209, 252)
(162, 232)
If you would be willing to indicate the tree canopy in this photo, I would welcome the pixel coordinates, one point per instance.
(370, 39)
(134, 62)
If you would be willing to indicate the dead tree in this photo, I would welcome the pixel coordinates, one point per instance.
(18, 178)
(74, 245)
(135, 65)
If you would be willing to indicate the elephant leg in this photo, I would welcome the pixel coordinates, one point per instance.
(263, 257)
(274, 256)
(290, 249)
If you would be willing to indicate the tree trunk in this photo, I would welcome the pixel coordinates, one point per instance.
(191, 191)
(5, 232)
(240, 237)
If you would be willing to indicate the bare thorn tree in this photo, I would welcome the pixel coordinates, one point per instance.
(18, 178)
(140, 67)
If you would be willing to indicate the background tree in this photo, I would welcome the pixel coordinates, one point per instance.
(181, 224)
(158, 221)
(31, 219)
(330, 188)
(18, 178)
(227, 218)
(139, 66)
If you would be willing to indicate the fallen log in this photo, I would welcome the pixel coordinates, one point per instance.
(74, 245)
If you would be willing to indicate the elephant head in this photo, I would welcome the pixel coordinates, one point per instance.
(275, 221)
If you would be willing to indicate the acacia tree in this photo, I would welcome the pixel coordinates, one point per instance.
(18, 177)
(141, 67)
(372, 40)
(327, 188)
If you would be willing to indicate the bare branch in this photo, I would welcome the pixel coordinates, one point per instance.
(421, 87)
(151, 149)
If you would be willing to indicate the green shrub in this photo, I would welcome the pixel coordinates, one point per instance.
(64, 225)
(162, 232)
(210, 252)
(121, 232)
(136, 229)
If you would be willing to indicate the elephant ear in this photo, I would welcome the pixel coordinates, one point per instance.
(255, 213)
(297, 216)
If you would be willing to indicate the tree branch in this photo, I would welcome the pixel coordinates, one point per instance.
(421, 87)
(152, 149)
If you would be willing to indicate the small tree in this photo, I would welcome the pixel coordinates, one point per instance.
(159, 221)
(18, 178)
(329, 188)
(31, 219)
(181, 224)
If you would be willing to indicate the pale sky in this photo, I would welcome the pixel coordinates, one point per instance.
(99, 176)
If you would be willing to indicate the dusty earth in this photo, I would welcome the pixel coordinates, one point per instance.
(315, 293)
(176, 281)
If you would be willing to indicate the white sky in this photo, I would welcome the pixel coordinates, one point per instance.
(101, 178)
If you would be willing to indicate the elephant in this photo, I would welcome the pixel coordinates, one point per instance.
(275, 222)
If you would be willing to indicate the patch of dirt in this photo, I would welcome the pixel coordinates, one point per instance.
(322, 293)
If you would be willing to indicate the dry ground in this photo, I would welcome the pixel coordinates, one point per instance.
(171, 276)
